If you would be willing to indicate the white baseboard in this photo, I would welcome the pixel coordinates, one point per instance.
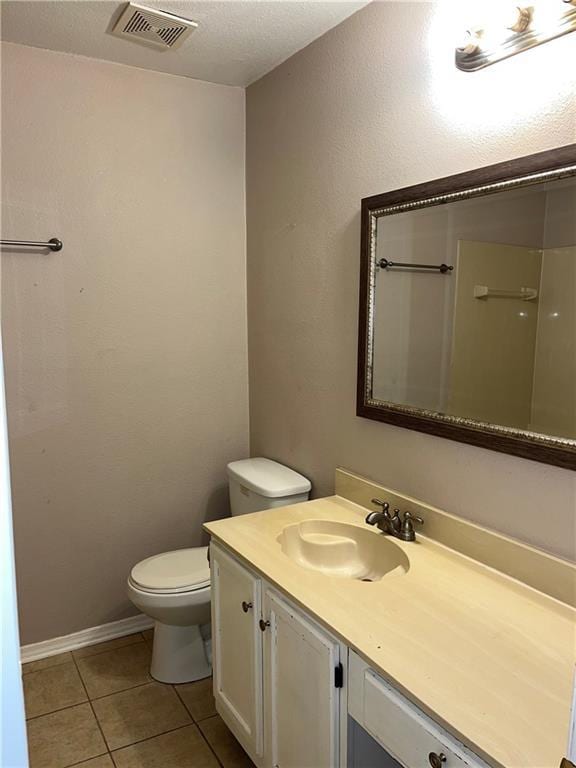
(85, 637)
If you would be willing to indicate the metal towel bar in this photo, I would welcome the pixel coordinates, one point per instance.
(444, 268)
(53, 244)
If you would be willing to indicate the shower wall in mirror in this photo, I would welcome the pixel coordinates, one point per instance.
(468, 307)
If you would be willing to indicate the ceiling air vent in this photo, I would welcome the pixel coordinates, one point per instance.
(147, 25)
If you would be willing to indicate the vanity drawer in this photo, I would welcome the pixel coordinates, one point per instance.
(405, 732)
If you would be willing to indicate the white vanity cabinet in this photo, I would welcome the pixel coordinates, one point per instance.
(277, 674)
(295, 697)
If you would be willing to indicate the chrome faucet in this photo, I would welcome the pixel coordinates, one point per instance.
(392, 524)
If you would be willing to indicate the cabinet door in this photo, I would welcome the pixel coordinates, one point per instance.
(302, 701)
(237, 649)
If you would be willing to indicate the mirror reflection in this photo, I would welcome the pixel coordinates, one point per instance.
(474, 308)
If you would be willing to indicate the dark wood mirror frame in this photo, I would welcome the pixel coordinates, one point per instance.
(535, 168)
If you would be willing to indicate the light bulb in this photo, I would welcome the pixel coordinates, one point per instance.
(470, 44)
(504, 19)
(521, 19)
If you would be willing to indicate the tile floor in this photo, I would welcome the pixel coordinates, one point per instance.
(98, 707)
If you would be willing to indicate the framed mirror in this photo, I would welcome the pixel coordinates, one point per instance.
(468, 307)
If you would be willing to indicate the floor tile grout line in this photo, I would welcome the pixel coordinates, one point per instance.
(194, 718)
(89, 700)
(220, 762)
(206, 717)
(139, 741)
(149, 738)
(59, 709)
(105, 650)
(217, 715)
(181, 700)
(26, 672)
(114, 650)
(81, 658)
(92, 708)
(110, 750)
(197, 724)
(83, 762)
(124, 690)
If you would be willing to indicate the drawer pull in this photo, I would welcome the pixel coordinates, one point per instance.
(436, 760)
(246, 606)
(263, 624)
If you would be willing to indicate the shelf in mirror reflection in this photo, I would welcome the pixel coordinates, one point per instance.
(524, 294)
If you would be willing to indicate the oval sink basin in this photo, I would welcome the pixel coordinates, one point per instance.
(339, 549)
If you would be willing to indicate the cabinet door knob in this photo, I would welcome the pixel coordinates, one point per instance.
(263, 624)
(436, 760)
(246, 606)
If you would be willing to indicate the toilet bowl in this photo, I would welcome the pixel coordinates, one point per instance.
(173, 588)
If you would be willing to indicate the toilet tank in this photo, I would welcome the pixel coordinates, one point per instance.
(257, 484)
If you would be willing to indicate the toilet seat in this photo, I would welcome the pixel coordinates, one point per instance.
(179, 571)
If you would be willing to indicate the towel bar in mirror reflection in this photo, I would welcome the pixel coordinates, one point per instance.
(386, 264)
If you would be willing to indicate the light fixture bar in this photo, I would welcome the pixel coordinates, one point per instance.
(521, 33)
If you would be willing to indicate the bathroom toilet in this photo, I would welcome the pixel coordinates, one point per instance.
(173, 588)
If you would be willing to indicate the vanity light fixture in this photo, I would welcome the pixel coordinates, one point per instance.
(512, 29)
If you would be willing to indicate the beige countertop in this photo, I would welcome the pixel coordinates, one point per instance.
(486, 656)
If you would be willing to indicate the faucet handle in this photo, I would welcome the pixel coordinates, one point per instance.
(384, 504)
(415, 518)
(407, 530)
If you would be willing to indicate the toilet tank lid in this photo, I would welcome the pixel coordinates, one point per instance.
(268, 478)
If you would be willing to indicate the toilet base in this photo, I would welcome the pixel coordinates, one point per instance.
(178, 654)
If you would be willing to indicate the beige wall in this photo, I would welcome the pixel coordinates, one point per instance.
(125, 353)
(374, 105)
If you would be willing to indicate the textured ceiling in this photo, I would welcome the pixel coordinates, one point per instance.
(236, 42)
